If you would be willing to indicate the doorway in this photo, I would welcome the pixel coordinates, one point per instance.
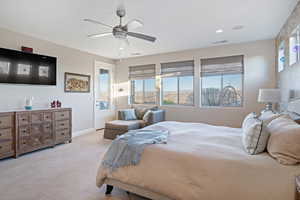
(104, 108)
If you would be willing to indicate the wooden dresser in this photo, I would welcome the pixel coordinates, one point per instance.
(26, 131)
(7, 135)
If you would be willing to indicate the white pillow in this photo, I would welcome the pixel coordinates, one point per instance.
(255, 131)
(248, 117)
(254, 140)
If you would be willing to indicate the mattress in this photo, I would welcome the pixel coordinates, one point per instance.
(202, 161)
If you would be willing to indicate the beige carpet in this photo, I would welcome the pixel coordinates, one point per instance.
(66, 172)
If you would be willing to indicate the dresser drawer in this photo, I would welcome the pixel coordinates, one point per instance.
(64, 124)
(6, 134)
(23, 119)
(36, 129)
(24, 131)
(47, 128)
(6, 147)
(48, 116)
(36, 141)
(24, 144)
(5, 121)
(60, 115)
(37, 117)
(48, 139)
(63, 134)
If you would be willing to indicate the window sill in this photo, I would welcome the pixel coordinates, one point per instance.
(179, 106)
(143, 104)
(222, 107)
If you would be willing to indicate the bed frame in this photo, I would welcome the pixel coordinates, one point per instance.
(111, 183)
(293, 108)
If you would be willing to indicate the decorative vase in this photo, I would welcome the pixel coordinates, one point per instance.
(28, 103)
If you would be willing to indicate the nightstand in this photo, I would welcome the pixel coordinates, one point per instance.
(298, 187)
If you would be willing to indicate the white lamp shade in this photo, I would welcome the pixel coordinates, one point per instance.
(269, 96)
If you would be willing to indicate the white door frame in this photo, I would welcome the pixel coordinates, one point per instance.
(111, 68)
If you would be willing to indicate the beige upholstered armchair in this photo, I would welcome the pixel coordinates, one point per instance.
(143, 117)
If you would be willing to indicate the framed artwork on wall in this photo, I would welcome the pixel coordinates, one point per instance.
(77, 83)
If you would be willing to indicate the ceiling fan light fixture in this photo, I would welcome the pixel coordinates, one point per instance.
(219, 31)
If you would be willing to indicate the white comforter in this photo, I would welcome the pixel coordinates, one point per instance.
(204, 162)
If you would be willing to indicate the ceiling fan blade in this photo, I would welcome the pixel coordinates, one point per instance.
(99, 35)
(142, 36)
(96, 22)
(133, 24)
(127, 42)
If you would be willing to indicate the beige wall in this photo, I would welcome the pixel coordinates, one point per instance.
(68, 60)
(259, 73)
(288, 79)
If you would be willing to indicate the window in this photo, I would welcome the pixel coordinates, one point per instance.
(143, 90)
(294, 47)
(222, 81)
(103, 101)
(178, 83)
(281, 56)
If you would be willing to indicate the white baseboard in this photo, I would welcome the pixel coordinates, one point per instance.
(83, 132)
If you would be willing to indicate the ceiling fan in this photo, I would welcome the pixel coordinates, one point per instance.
(121, 31)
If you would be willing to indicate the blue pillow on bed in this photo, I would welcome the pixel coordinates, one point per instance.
(128, 114)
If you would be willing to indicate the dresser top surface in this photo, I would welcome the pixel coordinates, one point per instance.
(34, 109)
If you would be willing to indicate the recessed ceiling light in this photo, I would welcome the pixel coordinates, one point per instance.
(219, 31)
(238, 27)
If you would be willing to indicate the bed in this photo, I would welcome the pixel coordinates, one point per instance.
(206, 162)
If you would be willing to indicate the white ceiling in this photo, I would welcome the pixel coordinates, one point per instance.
(178, 24)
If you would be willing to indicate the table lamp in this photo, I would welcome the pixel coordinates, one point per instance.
(269, 96)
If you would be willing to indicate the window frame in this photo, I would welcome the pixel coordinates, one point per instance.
(177, 92)
(222, 85)
(132, 92)
(109, 88)
(296, 32)
(282, 46)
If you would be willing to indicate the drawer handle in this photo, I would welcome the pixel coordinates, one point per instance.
(23, 119)
(0, 122)
(24, 131)
(0, 147)
(24, 142)
(62, 124)
(62, 133)
(0, 134)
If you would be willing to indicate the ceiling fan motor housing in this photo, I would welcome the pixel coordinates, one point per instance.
(120, 32)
